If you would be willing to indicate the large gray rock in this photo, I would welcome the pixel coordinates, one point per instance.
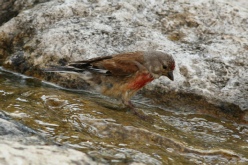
(209, 40)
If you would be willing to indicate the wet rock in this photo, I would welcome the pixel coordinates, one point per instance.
(19, 143)
(208, 40)
(187, 102)
(13, 131)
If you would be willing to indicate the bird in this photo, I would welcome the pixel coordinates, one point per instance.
(121, 76)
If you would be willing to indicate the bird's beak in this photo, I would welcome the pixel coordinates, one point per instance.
(170, 76)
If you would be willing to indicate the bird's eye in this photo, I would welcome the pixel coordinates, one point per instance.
(164, 67)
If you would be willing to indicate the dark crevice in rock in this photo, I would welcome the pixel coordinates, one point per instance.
(188, 102)
(6, 11)
(11, 8)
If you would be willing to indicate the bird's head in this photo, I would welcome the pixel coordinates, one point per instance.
(159, 64)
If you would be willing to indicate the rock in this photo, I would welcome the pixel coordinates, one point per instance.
(14, 131)
(19, 144)
(208, 39)
(15, 153)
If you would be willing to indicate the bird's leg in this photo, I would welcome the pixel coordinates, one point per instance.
(130, 105)
(134, 111)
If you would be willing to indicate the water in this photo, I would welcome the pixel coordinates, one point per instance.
(96, 125)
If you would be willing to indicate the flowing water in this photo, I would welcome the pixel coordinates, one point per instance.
(98, 126)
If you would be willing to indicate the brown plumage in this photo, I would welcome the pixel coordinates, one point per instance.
(121, 76)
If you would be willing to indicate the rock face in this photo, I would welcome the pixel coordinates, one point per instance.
(209, 41)
(19, 144)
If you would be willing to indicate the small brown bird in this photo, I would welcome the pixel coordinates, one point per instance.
(121, 76)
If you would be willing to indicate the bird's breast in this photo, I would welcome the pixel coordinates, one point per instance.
(140, 80)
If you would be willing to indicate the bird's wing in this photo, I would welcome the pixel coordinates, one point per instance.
(120, 65)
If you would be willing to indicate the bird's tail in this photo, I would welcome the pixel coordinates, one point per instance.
(63, 69)
(83, 73)
(90, 75)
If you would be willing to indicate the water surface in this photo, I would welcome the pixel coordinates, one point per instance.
(98, 126)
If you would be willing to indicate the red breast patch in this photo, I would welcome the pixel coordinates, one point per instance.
(140, 81)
